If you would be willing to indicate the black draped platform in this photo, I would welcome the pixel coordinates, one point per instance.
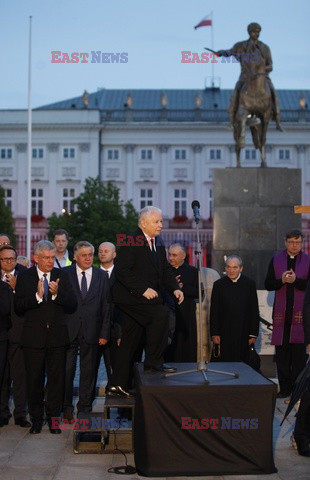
(184, 426)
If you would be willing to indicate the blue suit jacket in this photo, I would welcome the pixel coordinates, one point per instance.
(92, 313)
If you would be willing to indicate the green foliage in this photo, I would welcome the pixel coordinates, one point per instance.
(99, 215)
(6, 219)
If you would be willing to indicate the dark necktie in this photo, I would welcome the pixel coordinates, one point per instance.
(153, 245)
(154, 253)
(83, 285)
(45, 286)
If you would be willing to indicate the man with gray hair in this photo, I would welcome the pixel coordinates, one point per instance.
(42, 295)
(89, 326)
(234, 317)
(141, 270)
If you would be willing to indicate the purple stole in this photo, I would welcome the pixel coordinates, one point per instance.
(301, 271)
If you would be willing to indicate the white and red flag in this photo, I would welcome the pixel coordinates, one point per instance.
(205, 22)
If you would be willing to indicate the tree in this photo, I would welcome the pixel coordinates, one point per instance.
(98, 216)
(6, 219)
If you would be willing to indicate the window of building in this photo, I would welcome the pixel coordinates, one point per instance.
(69, 152)
(6, 153)
(113, 154)
(180, 154)
(37, 153)
(146, 197)
(250, 154)
(215, 154)
(146, 154)
(8, 198)
(68, 194)
(284, 154)
(37, 201)
(180, 202)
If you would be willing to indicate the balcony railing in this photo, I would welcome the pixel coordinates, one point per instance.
(195, 115)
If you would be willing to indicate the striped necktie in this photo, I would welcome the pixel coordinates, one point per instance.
(45, 286)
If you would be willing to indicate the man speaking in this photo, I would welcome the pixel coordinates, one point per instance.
(141, 270)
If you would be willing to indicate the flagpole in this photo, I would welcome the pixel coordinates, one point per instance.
(28, 235)
(212, 46)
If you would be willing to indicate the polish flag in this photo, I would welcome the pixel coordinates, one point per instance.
(205, 22)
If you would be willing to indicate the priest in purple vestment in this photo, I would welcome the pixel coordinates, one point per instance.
(288, 274)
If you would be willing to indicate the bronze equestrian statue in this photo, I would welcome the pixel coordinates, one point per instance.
(254, 100)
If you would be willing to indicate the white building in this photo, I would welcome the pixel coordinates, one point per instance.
(158, 147)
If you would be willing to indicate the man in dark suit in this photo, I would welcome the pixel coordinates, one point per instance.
(42, 295)
(5, 323)
(15, 366)
(184, 343)
(141, 270)
(106, 256)
(88, 326)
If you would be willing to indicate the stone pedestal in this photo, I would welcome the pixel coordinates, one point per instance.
(253, 209)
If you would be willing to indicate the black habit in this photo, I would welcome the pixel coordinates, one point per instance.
(184, 344)
(234, 316)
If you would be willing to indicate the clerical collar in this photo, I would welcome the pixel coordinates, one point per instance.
(292, 256)
(236, 279)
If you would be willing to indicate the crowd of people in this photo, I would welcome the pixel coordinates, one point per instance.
(137, 300)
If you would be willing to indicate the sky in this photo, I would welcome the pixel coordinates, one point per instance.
(151, 34)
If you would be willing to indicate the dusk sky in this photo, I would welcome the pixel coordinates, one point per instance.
(151, 35)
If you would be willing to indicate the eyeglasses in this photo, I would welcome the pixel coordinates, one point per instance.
(291, 242)
(10, 259)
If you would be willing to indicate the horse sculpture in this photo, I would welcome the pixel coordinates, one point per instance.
(254, 108)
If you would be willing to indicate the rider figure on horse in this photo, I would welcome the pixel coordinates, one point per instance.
(248, 51)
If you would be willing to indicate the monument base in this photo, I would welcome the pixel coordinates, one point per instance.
(253, 209)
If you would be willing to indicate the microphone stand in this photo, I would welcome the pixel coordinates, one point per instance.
(201, 364)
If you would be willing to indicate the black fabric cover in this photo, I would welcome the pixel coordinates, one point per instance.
(163, 448)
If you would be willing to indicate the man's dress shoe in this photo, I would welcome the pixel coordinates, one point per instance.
(36, 427)
(164, 368)
(117, 391)
(55, 431)
(22, 422)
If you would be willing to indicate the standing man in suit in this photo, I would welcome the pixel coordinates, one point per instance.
(106, 255)
(141, 270)
(184, 343)
(89, 326)
(15, 366)
(42, 295)
(5, 323)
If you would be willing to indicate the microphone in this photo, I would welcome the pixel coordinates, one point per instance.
(195, 207)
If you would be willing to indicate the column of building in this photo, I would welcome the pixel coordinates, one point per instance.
(129, 166)
(163, 180)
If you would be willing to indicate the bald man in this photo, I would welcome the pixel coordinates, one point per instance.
(184, 343)
(106, 255)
